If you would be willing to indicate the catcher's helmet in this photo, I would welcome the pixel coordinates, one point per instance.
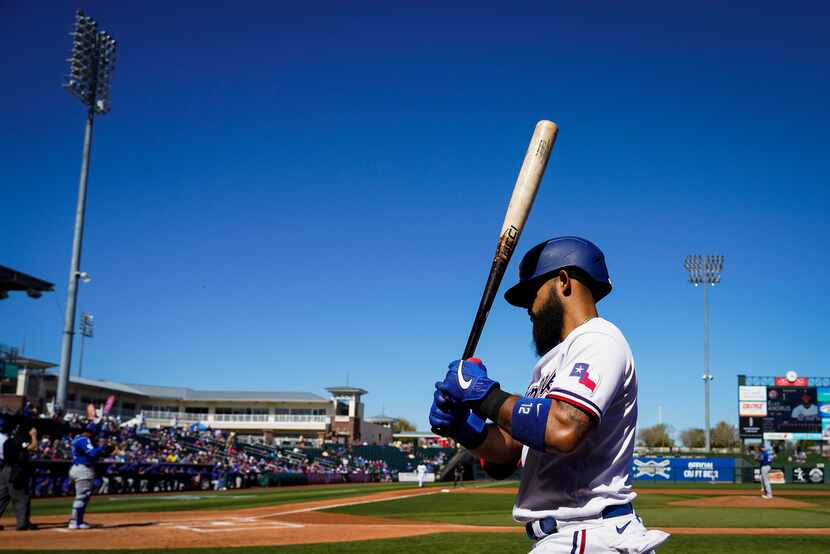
(553, 255)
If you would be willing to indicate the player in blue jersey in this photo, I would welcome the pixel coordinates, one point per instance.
(765, 456)
(84, 457)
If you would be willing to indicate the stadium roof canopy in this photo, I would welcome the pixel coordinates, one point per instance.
(416, 435)
(346, 390)
(381, 419)
(11, 279)
(30, 363)
(188, 394)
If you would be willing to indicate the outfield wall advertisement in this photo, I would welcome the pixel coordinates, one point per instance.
(683, 469)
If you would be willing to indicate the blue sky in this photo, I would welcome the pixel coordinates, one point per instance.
(283, 196)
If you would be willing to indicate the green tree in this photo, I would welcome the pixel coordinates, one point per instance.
(693, 438)
(400, 424)
(656, 436)
(725, 435)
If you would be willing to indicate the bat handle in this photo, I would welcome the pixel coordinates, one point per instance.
(469, 350)
(473, 420)
(476, 422)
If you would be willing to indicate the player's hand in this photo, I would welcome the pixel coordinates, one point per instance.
(452, 419)
(467, 382)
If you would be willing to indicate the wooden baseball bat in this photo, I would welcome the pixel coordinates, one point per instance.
(524, 193)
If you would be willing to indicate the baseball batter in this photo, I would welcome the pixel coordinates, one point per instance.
(573, 430)
(82, 472)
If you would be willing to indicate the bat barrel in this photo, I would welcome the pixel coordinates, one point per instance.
(524, 193)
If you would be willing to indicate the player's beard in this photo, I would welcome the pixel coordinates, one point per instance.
(547, 325)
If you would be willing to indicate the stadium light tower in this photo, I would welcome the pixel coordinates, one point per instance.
(90, 76)
(705, 270)
(87, 328)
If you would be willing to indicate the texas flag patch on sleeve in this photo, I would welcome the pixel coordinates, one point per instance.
(588, 378)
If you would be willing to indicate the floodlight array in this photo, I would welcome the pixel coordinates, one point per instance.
(704, 269)
(87, 324)
(92, 64)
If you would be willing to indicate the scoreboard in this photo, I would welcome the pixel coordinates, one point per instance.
(783, 412)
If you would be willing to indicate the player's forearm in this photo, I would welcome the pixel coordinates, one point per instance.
(499, 447)
(562, 427)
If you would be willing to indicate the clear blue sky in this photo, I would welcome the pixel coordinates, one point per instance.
(285, 195)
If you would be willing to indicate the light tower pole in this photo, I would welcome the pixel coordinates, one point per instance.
(705, 270)
(90, 75)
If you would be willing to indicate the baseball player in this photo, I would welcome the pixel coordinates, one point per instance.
(458, 474)
(573, 429)
(82, 472)
(765, 460)
(422, 474)
(806, 411)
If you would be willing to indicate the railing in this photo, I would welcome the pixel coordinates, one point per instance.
(77, 407)
(237, 418)
(245, 418)
(291, 418)
(155, 414)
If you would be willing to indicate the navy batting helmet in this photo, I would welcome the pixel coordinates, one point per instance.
(553, 255)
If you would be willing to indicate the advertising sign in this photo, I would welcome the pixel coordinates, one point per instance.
(812, 475)
(805, 436)
(412, 477)
(823, 394)
(684, 469)
(750, 427)
(776, 475)
(791, 381)
(752, 393)
(758, 409)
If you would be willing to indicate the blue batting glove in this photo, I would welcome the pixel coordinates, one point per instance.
(467, 382)
(451, 419)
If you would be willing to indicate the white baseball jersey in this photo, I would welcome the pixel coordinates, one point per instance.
(800, 412)
(593, 369)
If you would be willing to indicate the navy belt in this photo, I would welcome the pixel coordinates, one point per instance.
(541, 528)
(617, 510)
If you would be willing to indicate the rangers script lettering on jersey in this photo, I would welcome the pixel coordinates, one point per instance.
(593, 369)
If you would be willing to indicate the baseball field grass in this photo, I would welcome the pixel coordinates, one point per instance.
(505, 543)
(707, 517)
(209, 500)
(657, 510)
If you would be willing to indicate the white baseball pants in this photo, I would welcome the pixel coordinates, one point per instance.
(617, 535)
(765, 480)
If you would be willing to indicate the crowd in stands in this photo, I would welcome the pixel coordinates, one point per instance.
(195, 458)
